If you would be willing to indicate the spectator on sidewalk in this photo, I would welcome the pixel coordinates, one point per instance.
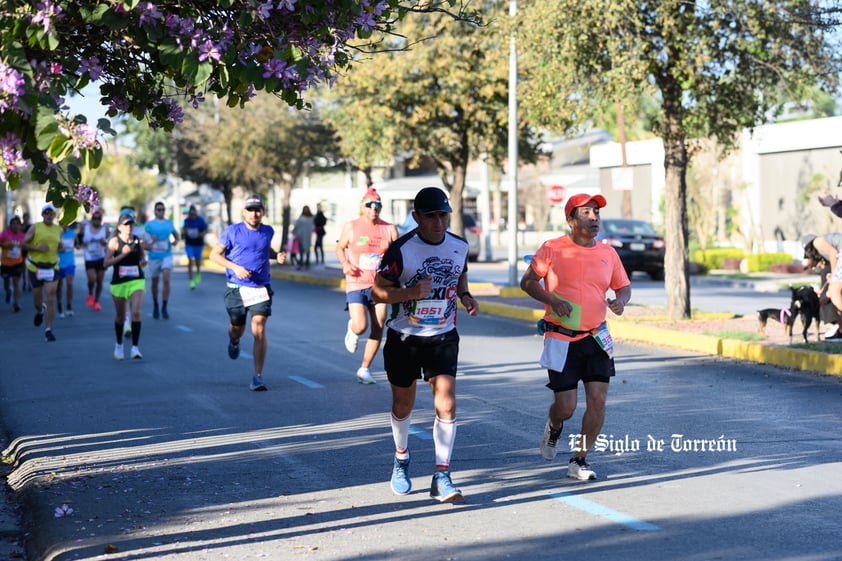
(319, 222)
(303, 227)
(827, 248)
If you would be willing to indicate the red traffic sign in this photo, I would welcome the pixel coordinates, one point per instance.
(556, 194)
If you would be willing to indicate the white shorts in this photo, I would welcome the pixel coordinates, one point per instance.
(155, 266)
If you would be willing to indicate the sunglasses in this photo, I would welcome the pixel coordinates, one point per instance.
(373, 204)
(162, 209)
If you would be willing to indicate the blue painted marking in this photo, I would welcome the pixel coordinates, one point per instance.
(306, 382)
(246, 355)
(420, 433)
(605, 512)
(184, 328)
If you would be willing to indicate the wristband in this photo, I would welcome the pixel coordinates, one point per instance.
(466, 293)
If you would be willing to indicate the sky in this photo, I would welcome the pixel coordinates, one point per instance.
(87, 104)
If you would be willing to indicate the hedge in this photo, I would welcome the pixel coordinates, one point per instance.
(755, 262)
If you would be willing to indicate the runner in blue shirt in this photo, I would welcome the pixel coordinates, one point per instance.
(159, 240)
(66, 269)
(244, 249)
(193, 233)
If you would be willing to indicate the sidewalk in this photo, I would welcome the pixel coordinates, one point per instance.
(512, 302)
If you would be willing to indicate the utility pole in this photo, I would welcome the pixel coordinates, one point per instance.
(621, 133)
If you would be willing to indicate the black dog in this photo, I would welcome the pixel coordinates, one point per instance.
(782, 315)
(805, 303)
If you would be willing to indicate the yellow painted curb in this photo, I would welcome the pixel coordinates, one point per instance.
(510, 311)
(295, 276)
(512, 292)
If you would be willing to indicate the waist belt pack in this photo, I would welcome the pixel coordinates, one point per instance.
(42, 265)
(545, 326)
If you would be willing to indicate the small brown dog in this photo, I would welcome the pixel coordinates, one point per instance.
(781, 315)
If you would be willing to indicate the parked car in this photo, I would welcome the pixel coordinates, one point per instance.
(473, 233)
(639, 246)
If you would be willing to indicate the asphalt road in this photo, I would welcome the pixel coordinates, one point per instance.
(172, 457)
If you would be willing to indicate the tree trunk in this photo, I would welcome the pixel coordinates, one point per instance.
(456, 192)
(676, 262)
(286, 219)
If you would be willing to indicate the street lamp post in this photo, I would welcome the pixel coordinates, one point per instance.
(513, 154)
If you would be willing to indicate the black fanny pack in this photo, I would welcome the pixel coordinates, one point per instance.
(547, 326)
(39, 265)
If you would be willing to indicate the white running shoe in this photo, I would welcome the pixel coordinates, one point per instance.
(351, 339)
(118, 351)
(549, 441)
(578, 468)
(364, 376)
(127, 330)
(136, 353)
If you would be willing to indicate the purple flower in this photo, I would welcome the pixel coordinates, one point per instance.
(366, 21)
(208, 50)
(11, 86)
(87, 195)
(91, 66)
(288, 5)
(84, 136)
(264, 10)
(196, 99)
(119, 104)
(55, 69)
(46, 12)
(11, 157)
(174, 111)
(149, 14)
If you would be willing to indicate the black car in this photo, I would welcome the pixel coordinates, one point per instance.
(639, 246)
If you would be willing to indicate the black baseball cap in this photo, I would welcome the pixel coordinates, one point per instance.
(431, 199)
(253, 201)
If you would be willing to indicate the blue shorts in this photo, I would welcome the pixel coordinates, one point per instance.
(360, 297)
(68, 271)
(194, 251)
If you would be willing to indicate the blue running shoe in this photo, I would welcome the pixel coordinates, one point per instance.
(442, 488)
(257, 384)
(401, 485)
(233, 349)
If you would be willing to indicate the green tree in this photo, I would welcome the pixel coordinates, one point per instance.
(715, 67)
(266, 141)
(150, 56)
(441, 93)
(119, 178)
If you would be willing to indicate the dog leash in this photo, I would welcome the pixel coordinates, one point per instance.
(785, 312)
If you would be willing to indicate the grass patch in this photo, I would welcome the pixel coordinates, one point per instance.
(828, 348)
(737, 335)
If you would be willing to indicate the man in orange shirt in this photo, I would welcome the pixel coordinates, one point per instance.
(577, 273)
(360, 247)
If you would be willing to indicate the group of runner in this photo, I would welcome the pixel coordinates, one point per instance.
(43, 255)
(413, 285)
